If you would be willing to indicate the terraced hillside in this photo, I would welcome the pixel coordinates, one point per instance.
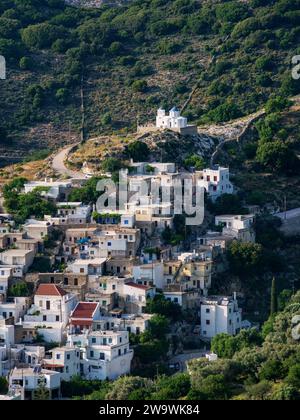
(128, 60)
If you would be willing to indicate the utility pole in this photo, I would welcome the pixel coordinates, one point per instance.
(285, 206)
(82, 133)
(69, 131)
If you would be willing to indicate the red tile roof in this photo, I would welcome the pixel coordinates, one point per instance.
(138, 286)
(50, 290)
(84, 310)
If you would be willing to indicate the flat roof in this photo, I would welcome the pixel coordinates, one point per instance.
(16, 252)
(98, 261)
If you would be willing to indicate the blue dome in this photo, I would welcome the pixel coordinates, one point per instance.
(174, 109)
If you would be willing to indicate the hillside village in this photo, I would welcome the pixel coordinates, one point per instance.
(151, 252)
(104, 269)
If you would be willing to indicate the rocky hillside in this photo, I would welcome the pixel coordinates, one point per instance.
(163, 146)
(232, 56)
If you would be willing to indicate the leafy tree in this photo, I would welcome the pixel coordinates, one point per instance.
(161, 306)
(112, 165)
(232, 11)
(271, 370)
(138, 151)
(139, 86)
(277, 157)
(276, 104)
(62, 95)
(78, 386)
(124, 386)
(285, 392)
(19, 290)
(228, 204)
(259, 391)
(224, 112)
(26, 63)
(41, 35)
(245, 258)
(42, 392)
(293, 377)
(172, 388)
(158, 326)
(106, 119)
(195, 161)
(224, 345)
(87, 193)
(3, 385)
(22, 206)
(268, 326)
(214, 387)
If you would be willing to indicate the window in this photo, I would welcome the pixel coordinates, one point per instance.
(108, 243)
(94, 340)
(44, 317)
(57, 318)
(119, 352)
(207, 322)
(48, 305)
(68, 357)
(102, 356)
(67, 369)
(91, 353)
(66, 281)
(126, 222)
(82, 270)
(75, 282)
(207, 310)
(58, 356)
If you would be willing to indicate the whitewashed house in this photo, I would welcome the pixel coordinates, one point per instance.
(105, 354)
(56, 190)
(70, 213)
(240, 227)
(149, 274)
(215, 181)
(18, 258)
(5, 276)
(219, 314)
(65, 360)
(15, 308)
(30, 379)
(50, 313)
(37, 229)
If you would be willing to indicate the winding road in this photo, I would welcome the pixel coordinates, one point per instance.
(58, 164)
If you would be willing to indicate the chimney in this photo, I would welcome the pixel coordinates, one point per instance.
(234, 295)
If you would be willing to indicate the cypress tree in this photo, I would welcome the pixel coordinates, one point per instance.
(273, 297)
